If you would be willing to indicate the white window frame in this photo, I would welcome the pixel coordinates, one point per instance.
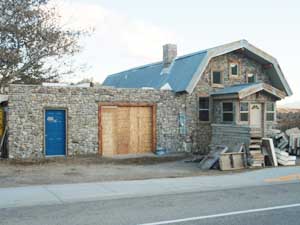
(208, 109)
(244, 112)
(221, 78)
(232, 112)
(230, 69)
(271, 112)
(254, 75)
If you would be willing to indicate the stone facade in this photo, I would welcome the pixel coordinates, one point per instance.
(26, 117)
(27, 104)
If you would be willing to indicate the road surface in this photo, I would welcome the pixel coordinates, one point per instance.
(269, 205)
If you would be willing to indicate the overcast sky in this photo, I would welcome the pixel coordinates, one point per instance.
(130, 33)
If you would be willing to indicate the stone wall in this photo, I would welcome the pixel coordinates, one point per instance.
(26, 118)
(230, 135)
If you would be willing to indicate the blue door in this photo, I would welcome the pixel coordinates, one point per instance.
(55, 132)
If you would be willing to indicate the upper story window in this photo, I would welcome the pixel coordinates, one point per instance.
(228, 114)
(217, 77)
(244, 111)
(204, 108)
(270, 108)
(234, 69)
(251, 78)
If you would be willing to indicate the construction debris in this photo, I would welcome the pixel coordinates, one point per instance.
(294, 140)
(286, 143)
(213, 157)
(269, 150)
(284, 158)
(280, 149)
(232, 160)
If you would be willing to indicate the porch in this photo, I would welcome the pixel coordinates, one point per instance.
(244, 114)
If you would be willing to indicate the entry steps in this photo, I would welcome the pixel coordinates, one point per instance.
(255, 151)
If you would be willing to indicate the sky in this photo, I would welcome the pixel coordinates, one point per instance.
(131, 33)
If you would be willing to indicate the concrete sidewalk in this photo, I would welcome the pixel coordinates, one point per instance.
(67, 193)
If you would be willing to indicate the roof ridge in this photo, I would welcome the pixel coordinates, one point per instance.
(190, 54)
(137, 68)
(159, 62)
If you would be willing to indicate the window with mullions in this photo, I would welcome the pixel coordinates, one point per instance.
(227, 108)
(270, 111)
(204, 109)
(244, 111)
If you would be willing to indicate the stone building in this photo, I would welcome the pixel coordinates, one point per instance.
(223, 95)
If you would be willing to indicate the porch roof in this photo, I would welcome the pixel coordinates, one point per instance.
(243, 90)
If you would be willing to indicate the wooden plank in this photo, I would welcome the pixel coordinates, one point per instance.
(269, 145)
(108, 131)
(213, 156)
(145, 129)
(123, 127)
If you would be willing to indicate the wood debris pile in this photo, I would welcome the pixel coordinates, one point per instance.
(286, 146)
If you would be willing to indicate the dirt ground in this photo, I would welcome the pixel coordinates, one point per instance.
(97, 169)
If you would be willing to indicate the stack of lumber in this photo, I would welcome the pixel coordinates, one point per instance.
(288, 141)
(284, 158)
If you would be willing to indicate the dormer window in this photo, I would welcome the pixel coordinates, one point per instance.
(217, 77)
(234, 69)
(251, 78)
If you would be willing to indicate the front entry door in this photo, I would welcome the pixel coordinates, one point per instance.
(256, 116)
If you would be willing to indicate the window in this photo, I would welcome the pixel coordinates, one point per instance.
(227, 111)
(251, 78)
(216, 77)
(244, 111)
(270, 111)
(204, 109)
(234, 69)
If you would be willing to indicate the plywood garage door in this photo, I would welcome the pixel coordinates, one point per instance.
(126, 130)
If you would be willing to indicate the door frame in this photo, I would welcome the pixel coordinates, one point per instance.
(261, 112)
(66, 131)
(126, 104)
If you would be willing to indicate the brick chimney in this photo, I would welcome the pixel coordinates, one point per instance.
(169, 54)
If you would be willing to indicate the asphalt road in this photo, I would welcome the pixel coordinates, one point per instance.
(171, 207)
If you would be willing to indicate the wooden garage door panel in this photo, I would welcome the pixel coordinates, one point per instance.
(109, 141)
(127, 130)
(123, 125)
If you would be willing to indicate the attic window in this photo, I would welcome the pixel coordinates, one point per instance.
(234, 69)
(216, 77)
(251, 78)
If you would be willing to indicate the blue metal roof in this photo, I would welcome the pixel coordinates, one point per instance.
(185, 71)
(235, 89)
(178, 76)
